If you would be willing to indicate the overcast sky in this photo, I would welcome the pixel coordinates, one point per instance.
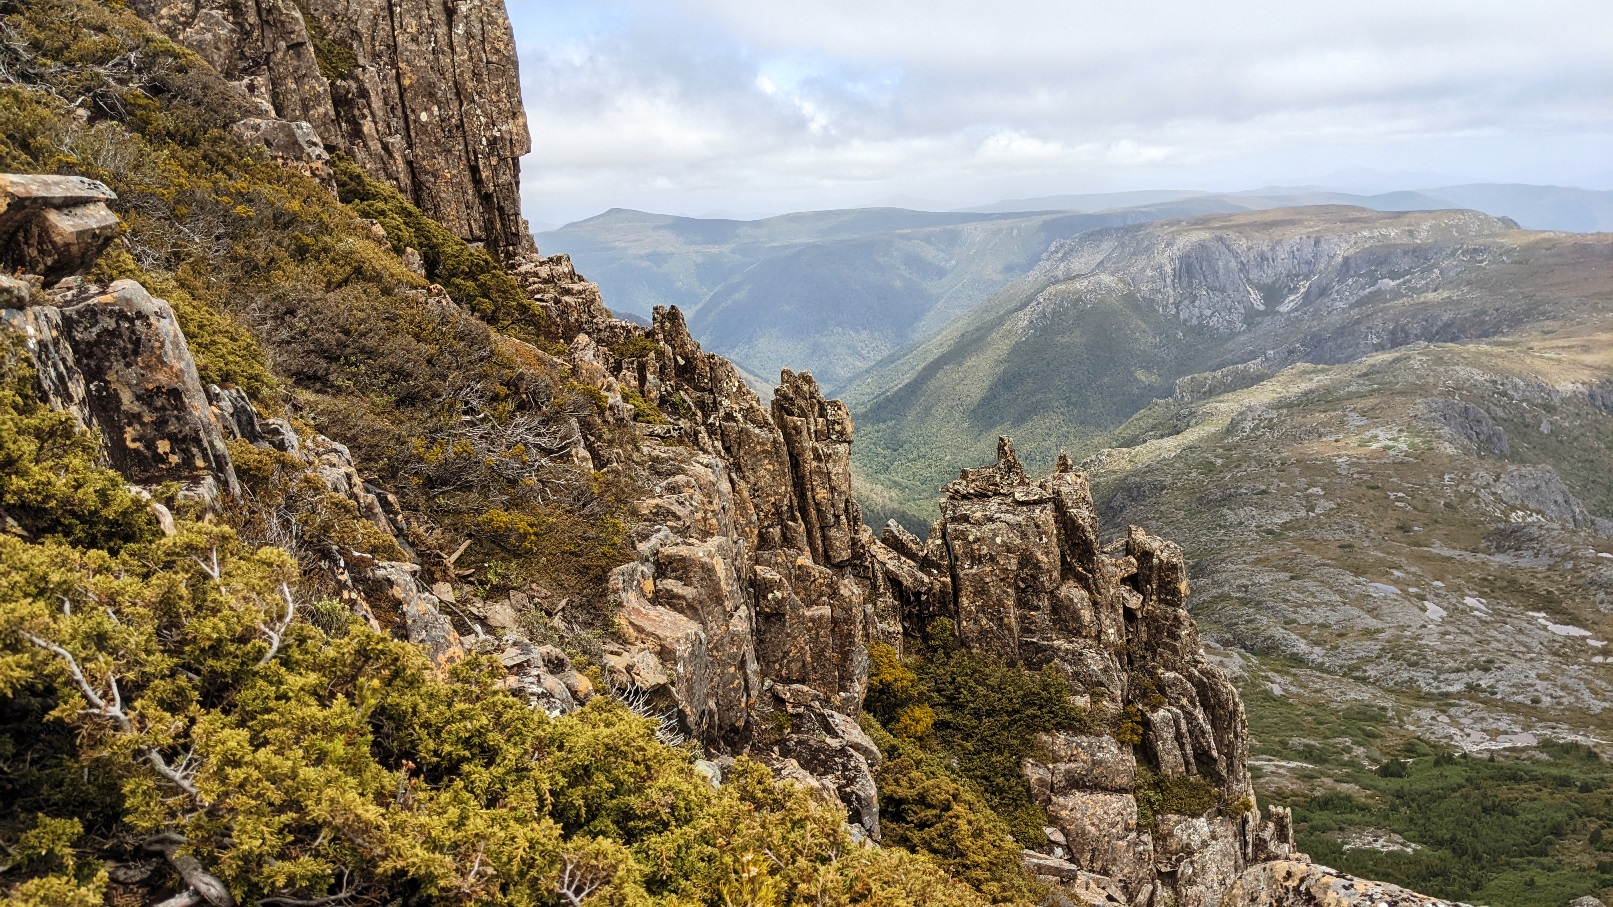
(755, 107)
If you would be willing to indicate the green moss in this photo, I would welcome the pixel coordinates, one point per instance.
(643, 410)
(1161, 795)
(336, 60)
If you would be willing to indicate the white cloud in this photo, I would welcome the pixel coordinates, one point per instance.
(758, 105)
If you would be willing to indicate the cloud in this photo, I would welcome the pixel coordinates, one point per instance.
(759, 106)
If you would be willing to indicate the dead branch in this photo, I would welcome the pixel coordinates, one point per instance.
(577, 882)
(279, 630)
(113, 712)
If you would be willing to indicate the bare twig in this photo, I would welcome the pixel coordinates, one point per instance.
(577, 883)
(279, 630)
(212, 569)
(113, 711)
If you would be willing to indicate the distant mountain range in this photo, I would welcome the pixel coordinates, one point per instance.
(836, 292)
(1533, 207)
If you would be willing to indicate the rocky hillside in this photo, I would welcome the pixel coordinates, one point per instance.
(343, 563)
(1112, 319)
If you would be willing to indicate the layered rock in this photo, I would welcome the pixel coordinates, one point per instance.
(423, 94)
(1018, 570)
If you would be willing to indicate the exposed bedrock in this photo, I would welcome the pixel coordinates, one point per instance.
(423, 94)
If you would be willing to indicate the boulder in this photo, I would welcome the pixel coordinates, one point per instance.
(115, 358)
(53, 226)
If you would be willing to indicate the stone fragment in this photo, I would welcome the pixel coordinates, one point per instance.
(396, 593)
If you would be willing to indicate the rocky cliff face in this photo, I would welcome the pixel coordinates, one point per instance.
(1219, 273)
(423, 94)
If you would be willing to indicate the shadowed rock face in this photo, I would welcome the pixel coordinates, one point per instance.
(423, 94)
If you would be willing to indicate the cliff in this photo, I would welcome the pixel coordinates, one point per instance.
(425, 96)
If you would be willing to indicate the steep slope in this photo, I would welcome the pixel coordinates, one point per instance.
(325, 580)
(1127, 312)
(423, 95)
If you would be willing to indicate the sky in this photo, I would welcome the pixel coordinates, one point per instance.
(747, 108)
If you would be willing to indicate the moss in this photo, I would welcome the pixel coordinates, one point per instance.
(1161, 795)
(335, 59)
(643, 410)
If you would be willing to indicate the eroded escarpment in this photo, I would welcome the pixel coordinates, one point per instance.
(745, 617)
(422, 94)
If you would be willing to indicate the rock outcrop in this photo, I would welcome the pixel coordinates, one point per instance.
(1289, 883)
(423, 94)
(1017, 568)
(1228, 272)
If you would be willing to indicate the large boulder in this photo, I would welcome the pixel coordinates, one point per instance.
(1290, 883)
(54, 226)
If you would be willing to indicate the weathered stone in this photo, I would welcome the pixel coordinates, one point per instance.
(293, 143)
(54, 226)
(817, 433)
(118, 361)
(396, 596)
(1088, 762)
(1285, 883)
(422, 94)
